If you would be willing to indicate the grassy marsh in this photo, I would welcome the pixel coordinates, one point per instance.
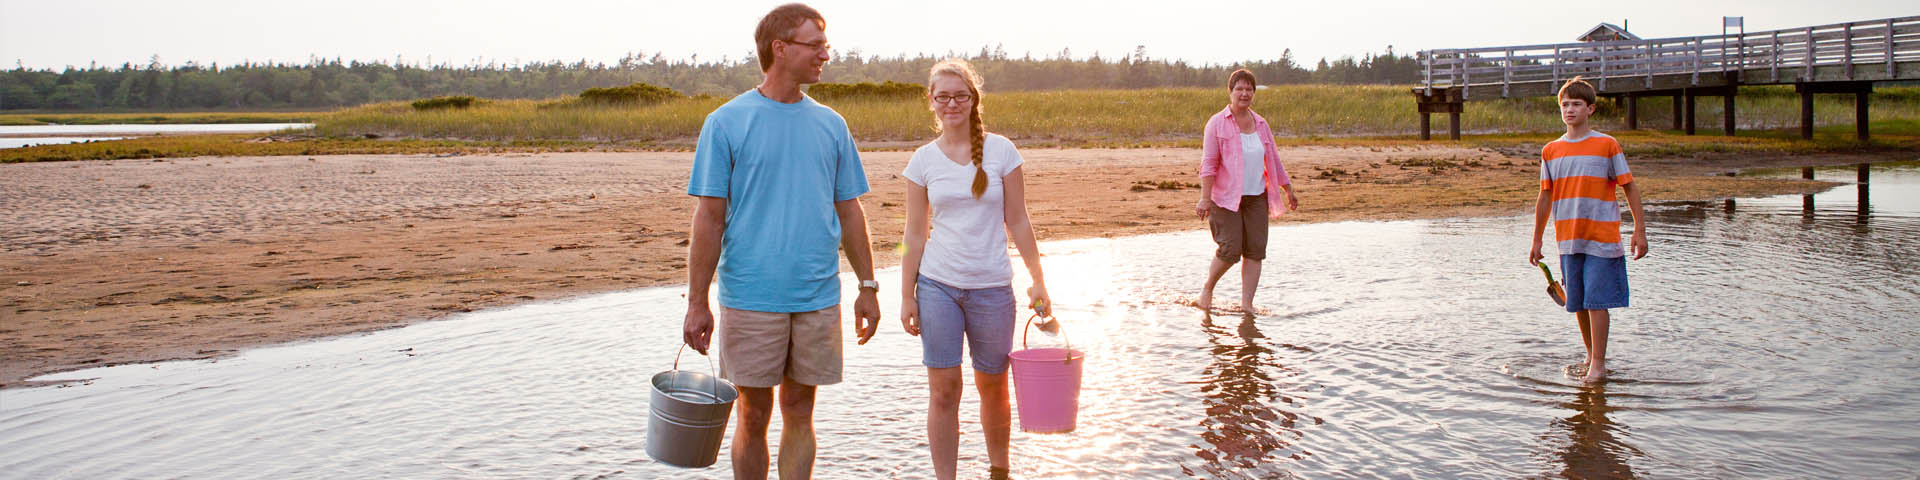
(1333, 115)
(1090, 116)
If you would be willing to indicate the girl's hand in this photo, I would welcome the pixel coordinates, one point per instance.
(1041, 304)
(1293, 203)
(910, 315)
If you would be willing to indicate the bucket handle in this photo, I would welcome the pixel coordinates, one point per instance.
(1063, 335)
(713, 380)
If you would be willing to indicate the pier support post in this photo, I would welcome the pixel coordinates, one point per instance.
(1806, 173)
(1860, 100)
(1806, 115)
(1863, 172)
(1687, 124)
(1727, 110)
(1426, 126)
(1453, 125)
(1633, 113)
(1677, 116)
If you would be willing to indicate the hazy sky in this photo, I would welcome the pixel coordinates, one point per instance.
(57, 33)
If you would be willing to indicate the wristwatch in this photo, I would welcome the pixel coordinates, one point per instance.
(873, 285)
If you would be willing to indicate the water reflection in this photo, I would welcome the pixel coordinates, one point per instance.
(1246, 435)
(1863, 209)
(1595, 446)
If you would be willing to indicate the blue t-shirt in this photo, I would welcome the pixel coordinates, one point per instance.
(781, 167)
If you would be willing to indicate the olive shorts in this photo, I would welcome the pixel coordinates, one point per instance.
(1241, 234)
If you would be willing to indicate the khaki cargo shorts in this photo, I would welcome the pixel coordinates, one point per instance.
(759, 349)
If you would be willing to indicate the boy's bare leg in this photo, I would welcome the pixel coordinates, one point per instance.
(755, 409)
(1214, 271)
(796, 430)
(943, 420)
(1586, 342)
(1586, 332)
(1249, 281)
(1597, 347)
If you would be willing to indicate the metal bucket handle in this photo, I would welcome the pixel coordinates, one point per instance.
(713, 380)
(1063, 335)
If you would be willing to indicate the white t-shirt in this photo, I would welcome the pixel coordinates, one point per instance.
(968, 247)
(1253, 164)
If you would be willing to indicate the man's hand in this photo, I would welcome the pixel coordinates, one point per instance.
(1200, 209)
(1534, 256)
(866, 315)
(1639, 245)
(698, 328)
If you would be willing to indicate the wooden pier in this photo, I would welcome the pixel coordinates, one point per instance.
(1844, 58)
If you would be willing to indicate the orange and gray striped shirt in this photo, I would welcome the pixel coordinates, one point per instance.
(1580, 175)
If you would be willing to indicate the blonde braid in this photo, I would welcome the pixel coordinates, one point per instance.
(979, 141)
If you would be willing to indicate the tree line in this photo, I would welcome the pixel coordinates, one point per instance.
(331, 83)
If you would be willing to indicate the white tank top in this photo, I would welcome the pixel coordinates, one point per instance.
(1253, 164)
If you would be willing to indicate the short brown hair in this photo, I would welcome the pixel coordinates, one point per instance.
(1579, 89)
(1241, 74)
(779, 25)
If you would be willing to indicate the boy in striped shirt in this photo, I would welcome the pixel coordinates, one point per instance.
(1578, 173)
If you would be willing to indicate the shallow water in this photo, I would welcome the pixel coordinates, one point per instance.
(17, 142)
(17, 136)
(147, 129)
(1766, 340)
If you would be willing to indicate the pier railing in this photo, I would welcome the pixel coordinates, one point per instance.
(1872, 50)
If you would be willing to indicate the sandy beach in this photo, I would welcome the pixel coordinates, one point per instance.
(115, 262)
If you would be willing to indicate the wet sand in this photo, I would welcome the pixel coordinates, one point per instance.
(115, 262)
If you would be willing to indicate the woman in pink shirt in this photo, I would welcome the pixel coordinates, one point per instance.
(1239, 168)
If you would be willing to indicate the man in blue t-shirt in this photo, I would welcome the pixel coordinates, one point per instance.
(779, 182)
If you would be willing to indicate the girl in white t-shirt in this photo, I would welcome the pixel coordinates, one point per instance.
(957, 286)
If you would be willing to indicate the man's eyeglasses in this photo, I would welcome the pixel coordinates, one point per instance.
(821, 46)
(961, 99)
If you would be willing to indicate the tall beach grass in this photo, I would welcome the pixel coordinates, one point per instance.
(1093, 116)
(1300, 114)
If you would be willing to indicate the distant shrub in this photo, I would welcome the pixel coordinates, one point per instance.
(887, 90)
(438, 103)
(638, 93)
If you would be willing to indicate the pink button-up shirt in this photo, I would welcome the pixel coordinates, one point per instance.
(1220, 159)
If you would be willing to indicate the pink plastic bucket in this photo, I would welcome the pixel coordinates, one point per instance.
(1046, 385)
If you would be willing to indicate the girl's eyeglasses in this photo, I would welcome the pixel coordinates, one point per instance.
(960, 99)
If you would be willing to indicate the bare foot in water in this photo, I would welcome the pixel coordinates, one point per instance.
(1577, 370)
(1205, 302)
(1594, 377)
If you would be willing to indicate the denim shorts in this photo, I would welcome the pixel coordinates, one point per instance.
(1594, 283)
(983, 316)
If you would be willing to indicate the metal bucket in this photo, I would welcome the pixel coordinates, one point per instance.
(689, 416)
(1046, 385)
